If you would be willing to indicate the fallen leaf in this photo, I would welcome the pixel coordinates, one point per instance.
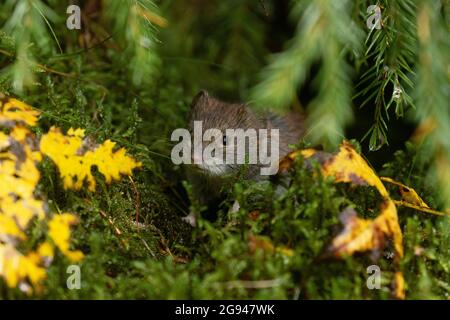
(358, 235)
(13, 111)
(361, 235)
(15, 267)
(259, 242)
(349, 166)
(75, 166)
(59, 232)
(411, 199)
(408, 194)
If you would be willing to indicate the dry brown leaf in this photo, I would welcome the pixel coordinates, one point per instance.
(253, 215)
(359, 235)
(258, 242)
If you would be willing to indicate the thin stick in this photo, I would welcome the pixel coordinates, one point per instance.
(43, 67)
(116, 230)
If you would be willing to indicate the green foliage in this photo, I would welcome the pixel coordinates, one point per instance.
(400, 56)
(325, 33)
(433, 90)
(390, 53)
(27, 26)
(426, 238)
(132, 25)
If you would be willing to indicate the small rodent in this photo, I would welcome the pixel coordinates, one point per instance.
(208, 179)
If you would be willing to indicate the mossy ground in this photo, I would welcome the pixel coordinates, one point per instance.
(164, 258)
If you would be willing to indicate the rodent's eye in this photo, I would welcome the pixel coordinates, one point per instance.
(224, 140)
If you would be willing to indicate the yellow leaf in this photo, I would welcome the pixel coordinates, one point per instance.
(399, 286)
(19, 176)
(15, 267)
(19, 133)
(419, 208)
(362, 235)
(59, 232)
(358, 235)
(411, 199)
(4, 141)
(45, 250)
(411, 196)
(76, 132)
(349, 166)
(75, 162)
(9, 228)
(15, 111)
(112, 164)
(389, 218)
(287, 162)
(18, 179)
(408, 194)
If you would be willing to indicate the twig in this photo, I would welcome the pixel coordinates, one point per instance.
(258, 284)
(60, 73)
(116, 230)
(43, 67)
(148, 248)
(6, 53)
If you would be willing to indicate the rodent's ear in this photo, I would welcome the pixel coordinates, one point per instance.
(200, 97)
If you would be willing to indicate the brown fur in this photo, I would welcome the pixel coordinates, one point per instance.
(221, 115)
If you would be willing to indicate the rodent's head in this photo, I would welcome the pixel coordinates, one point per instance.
(216, 114)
